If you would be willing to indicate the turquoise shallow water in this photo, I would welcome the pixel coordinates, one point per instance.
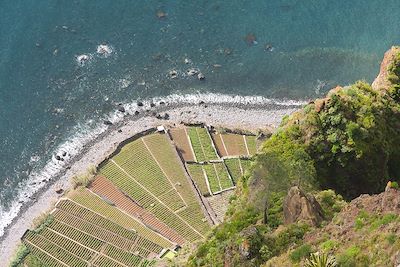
(45, 95)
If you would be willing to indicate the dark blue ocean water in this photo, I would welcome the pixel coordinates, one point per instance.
(45, 95)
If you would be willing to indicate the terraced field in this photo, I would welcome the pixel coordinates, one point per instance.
(202, 144)
(234, 144)
(143, 202)
(197, 174)
(182, 142)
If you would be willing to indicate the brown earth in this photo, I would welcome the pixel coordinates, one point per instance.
(104, 188)
(181, 141)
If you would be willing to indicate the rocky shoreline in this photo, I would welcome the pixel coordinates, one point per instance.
(252, 116)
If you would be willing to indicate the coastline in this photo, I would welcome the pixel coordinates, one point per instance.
(246, 115)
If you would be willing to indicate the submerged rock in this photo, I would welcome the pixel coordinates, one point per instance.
(107, 122)
(201, 76)
(192, 72)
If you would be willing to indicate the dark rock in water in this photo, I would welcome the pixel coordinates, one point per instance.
(137, 112)
(121, 109)
(158, 116)
(301, 207)
(59, 190)
(58, 157)
(166, 116)
(44, 180)
(120, 131)
(62, 159)
(162, 103)
(152, 105)
(64, 153)
(201, 102)
(140, 104)
(107, 122)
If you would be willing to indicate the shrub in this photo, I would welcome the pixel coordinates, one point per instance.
(329, 245)
(299, 253)
(330, 202)
(83, 179)
(348, 257)
(42, 221)
(320, 260)
(394, 185)
(391, 238)
(20, 255)
(265, 253)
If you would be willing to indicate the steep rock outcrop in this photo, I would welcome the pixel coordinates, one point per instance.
(300, 207)
(381, 82)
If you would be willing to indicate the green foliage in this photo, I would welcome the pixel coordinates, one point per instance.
(22, 252)
(329, 245)
(33, 261)
(320, 260)
(299, 253)
(330, 202)
(383, 220)
(42, 222)
(275, 209)
(394, 185)
(391, 238)
(348, 257)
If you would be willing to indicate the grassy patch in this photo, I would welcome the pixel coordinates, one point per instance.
(301, 252)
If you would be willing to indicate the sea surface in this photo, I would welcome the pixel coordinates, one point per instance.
(65, 65)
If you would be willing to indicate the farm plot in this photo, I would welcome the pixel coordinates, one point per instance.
(202, 144)
(96, 204)
(138, 193)
(197, 174)
(36, 241)
(218, 177)
(105, 189)
(245, 164)
(163, 152)
(181, 140)
(251, 144)
(235, 144)
(234, 168)
(219, 144)
(141, 165)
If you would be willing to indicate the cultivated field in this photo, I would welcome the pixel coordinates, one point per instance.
(202, 144)
(234, 144)
(182, 142)
(144, 201)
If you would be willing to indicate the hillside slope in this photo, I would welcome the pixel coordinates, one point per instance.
(348, 142)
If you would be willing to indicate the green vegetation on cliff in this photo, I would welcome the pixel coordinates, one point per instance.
(348, 142)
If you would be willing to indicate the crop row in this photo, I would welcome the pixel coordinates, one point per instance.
(53, 250)
(234, 169)
(196, 144)
(169, 162)
(212, 178)
(251, 144)
(95, 219)
(98, 205)
(197, 174)
(131, 188)
(42, 256)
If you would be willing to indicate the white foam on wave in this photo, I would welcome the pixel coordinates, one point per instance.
(84, 134)
(104, 50)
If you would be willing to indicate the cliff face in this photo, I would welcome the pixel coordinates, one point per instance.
(382, 82)
(348, 142)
